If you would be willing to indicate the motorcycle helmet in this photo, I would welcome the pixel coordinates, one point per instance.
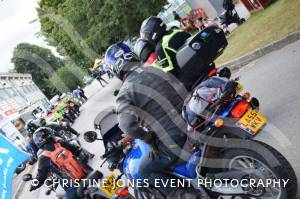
(152, 30)
(42, 136)
(117, 56)
(31, 127)
(143, 49)
(43, 122)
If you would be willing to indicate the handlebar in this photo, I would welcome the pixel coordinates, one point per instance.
(112, 150)
(106, 154)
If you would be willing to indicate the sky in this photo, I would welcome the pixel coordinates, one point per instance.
(15, 16)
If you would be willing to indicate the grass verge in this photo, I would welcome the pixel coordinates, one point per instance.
(276, 21)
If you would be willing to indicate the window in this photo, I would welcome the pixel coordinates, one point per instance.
(33, 88)
(36, 87)
(10, 92)
(29, 88)
(3, 94)
(24, 89)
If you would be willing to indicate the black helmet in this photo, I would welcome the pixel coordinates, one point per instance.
(42, 136)
(43, 122)
(152, 30)
(31, 127)
(143, 49)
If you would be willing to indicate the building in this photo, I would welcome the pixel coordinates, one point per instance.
(180, 6)
(255, 5)
(19, 96)
(213, 8)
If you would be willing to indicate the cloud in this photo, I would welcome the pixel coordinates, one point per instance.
(15, 16)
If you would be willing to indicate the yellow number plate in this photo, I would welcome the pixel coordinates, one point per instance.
(252, 122)
(109, 185)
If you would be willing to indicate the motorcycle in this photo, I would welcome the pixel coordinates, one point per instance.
(51, 186)
(229, 17)
(195, 57)
(225, 152)
(53, 182)
(230, 14)
(69, 114)
(68, 137)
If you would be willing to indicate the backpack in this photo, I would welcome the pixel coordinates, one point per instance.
(199, 108)
(65, 161)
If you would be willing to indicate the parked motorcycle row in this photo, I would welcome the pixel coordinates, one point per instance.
(64, 115)
(228, 149)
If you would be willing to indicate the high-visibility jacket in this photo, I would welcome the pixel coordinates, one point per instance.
(167, 48)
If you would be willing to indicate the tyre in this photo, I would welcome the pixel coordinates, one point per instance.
(240, 21)
(260, 160)
(189, 192)
(180, 193)
(20, 168)
(148, 193)
(99, 197)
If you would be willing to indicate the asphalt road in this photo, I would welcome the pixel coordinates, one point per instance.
(274, 79)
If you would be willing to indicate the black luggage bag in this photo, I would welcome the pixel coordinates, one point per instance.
(196, 57)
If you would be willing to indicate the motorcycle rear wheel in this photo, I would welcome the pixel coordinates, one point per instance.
(243, 158)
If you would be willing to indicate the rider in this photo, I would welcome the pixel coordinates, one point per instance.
(57, 128)
(82, 93)
(31, 127)
(148, 95)
(166, 43)
(57, 157)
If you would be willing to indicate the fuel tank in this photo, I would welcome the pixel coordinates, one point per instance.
(136, 159)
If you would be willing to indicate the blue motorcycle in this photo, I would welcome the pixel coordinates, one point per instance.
(227, 162)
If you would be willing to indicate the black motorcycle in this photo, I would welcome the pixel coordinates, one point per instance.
(69, 114)
(230, 15)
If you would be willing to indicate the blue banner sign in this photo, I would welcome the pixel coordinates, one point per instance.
(10, 157)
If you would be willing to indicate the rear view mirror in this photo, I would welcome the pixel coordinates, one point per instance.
(27, 177)
(90, 136)
(116, 92)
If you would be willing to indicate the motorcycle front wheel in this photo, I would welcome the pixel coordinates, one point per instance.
(275, 168)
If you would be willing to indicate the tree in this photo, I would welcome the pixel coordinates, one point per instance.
(67, 78)
(39, 62)
(83, 29)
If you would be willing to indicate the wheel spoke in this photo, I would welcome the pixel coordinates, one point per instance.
(242, 163)
(249, 162)
(264, 172)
